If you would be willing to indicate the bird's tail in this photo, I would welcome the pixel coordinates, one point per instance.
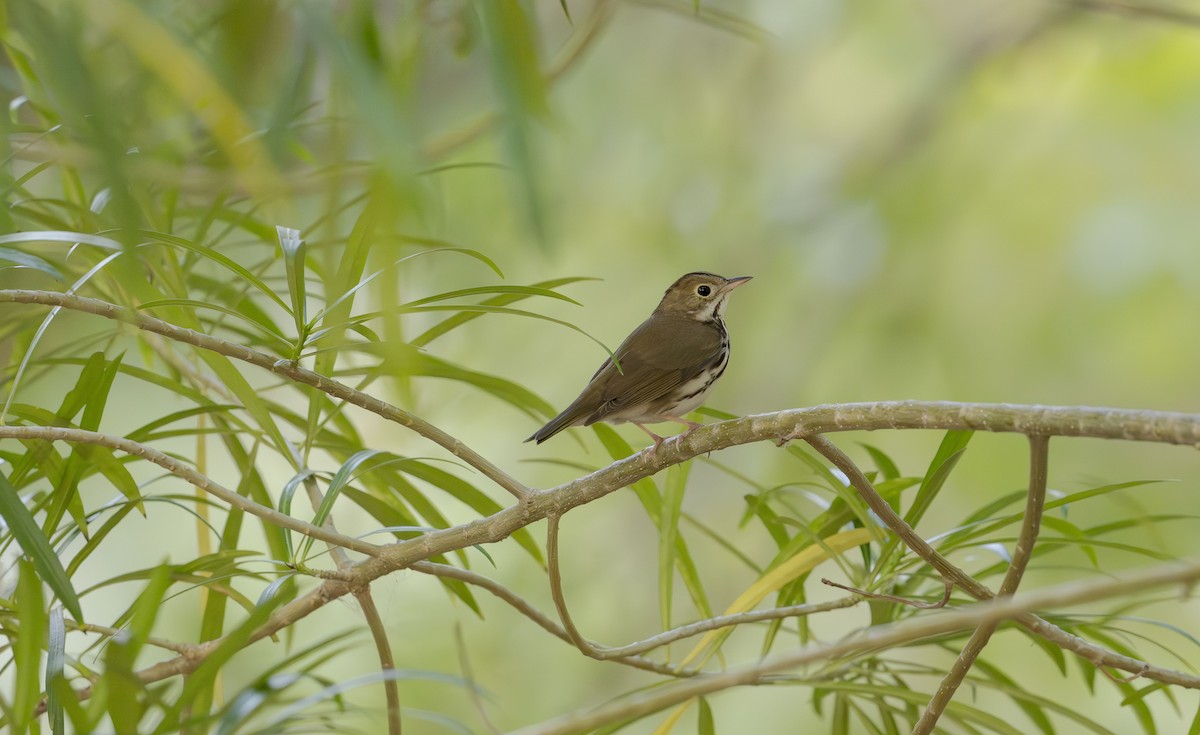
(570, 416)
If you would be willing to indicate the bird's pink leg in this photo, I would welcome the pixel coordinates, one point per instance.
(691, 425)
(658, 440)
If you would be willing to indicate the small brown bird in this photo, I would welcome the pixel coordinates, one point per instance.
(667, 365)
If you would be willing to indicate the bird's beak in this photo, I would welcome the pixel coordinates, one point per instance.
(733, 283)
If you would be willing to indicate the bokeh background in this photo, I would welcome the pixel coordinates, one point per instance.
(943, 199)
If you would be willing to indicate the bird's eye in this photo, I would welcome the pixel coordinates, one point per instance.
(703, 290)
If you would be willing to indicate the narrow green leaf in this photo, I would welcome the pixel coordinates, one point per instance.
(56, 657)
(408, 362)
(647, 494)
(35, 546)
(887, 468)
(25, 260)
(517, 78)
(63, 237)
(294, 255)
(521, 290)
(267, 596)
(285, 503)
(756, 506)
(458, 320)
(340, 479)
(704, 720)
(468, 494)
(147, 431)
(668, 530)
(124, 701)
(949, 452)
(27, 648)
(835, 483)
(220, 259)
(93, 412)
(212, 623)
(202, 678)
(1070, 530)
(65, 496)
(114, 470)
(964, 535)
(1035, 713)
(86, 385)
(334, 691)
(388, 510)
(266, 327)
(487, 309)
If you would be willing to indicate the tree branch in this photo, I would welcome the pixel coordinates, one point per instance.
(1150, 426)
(279, 366)
(179, 469)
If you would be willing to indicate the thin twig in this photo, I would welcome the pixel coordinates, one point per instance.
(947, 583)
(183, 649)
(624, 654)
(556, 592)
(1035, 503)
(386, 661)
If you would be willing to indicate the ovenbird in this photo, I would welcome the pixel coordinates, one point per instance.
(665, 367)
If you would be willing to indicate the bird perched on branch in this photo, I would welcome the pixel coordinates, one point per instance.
(665, 367)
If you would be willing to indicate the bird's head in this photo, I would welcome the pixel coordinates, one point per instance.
(700, 296)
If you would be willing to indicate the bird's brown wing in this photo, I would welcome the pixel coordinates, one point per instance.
(661, 354)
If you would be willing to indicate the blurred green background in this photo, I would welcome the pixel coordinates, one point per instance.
(941, 200)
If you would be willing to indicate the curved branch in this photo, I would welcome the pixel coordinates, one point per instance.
(285, 368)
(522, 606)
(572, 635)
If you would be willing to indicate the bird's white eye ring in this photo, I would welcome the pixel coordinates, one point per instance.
(703, 290)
